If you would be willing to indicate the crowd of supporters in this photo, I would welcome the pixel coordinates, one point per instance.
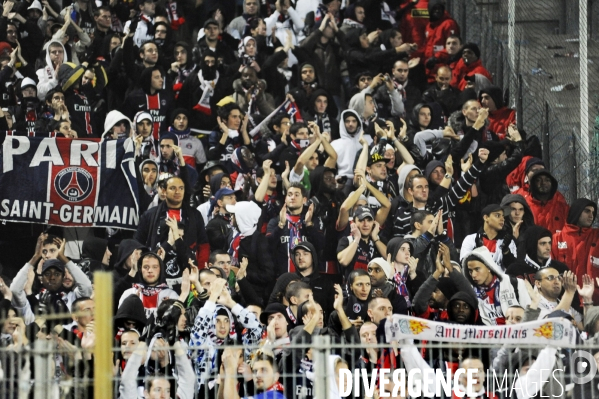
(303, 168)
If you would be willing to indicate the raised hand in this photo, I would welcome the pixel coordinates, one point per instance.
(588, 288)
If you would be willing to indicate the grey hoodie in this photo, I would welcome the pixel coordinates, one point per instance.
(401, 178)
(347, 145)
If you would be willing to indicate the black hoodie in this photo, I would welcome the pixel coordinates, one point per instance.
(159, 105)
(528, 220)
(132, 309)
(470, 299)
(323, 285)
(495, 93)
(576, 210)
(533, 189)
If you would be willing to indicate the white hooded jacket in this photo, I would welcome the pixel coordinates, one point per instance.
(507, 292)
(347, 146)
(47, 76)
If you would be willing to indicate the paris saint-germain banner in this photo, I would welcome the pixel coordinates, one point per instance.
(66, 182)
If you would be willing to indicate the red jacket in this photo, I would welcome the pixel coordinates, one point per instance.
(499, 121)
(437, 33)
(551, 215)
(461, 70)
(413, 21)
(570, 246)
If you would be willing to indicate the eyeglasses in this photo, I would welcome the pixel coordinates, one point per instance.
(552, 278)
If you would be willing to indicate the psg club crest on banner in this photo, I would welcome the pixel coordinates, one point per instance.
(73, 184)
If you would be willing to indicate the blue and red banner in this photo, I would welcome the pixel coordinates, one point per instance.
(68, 182)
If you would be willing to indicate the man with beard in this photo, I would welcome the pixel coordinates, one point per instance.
(202, 90)
(306, 86)
(469, 64)
(293, 224)
(549, 282)
(171, 160)
(381, 281)
(250, 93)
(211, 41)
(151, 230)
(548, 205)
(151, 97)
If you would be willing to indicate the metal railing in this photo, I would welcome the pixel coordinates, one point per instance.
(47, 371)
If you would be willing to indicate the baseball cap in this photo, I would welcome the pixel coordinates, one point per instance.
(210, 21)
(487, 210)
(376, 157)
(363, 212)
(223, 192)
(53, 263)
(140, 116)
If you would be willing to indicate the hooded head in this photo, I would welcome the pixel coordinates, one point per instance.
(175, 114)
(153, 274)
(430, 167)
(496, 148)
(415, 117)
(343, 133)
(132, 309)
(112, 118)
(496, 95)
(528, 218)
(153, 184)
(126, 248)
(216, 181)
(402, 176)
(436, 10)
(529, 242)
(307, 247)
(94, 248)
(576, 210)
(54, 44)
(222, 330)
(458, 313)
(394, 245)
(535, 191)
(247, 214)
(314, 96)
(319, 186)
(361, 103)
(480, 254)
